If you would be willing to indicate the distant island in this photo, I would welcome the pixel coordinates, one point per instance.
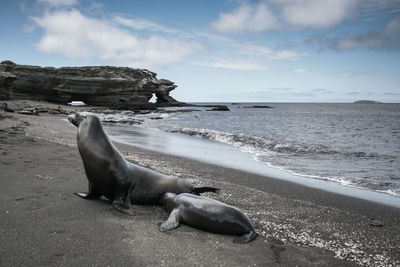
(367, 102)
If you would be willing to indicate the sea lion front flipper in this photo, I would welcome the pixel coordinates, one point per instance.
(122, 198)
(92, 194)
(172, 222)
(246, 237)
(121, 206)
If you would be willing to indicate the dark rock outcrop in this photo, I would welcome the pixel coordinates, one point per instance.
(113, 87)
(219, 108)
(6, 108)
(258, 107)
(367, 102)
(214, 107)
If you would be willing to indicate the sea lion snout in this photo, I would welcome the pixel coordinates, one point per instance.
(76, 119)
(72, 119)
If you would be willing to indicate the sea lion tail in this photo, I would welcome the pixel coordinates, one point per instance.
(202, 189)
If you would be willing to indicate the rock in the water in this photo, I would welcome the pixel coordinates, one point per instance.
(29, 112)
(259, 107)
(113, 87)
(217, 107)
(367, 102)
(6, 108)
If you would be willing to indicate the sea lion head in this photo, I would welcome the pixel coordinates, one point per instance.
(77, 118)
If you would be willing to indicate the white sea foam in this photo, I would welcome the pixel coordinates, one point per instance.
(263, 149)
(390, 192)
(256, 145)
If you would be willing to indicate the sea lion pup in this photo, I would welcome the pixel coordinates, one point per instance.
(112, 176)
(207, 214)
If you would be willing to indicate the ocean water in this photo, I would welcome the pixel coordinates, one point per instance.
(352, 144)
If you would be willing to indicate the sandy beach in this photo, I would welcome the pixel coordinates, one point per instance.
(43, 223)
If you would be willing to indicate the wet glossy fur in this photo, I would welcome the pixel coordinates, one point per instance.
(207, 214)
(110, 175)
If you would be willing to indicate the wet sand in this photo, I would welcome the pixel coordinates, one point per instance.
(43, 223)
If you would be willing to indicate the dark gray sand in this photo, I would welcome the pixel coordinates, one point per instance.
(43, 223)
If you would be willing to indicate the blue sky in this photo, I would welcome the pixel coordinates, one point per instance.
(226, 50)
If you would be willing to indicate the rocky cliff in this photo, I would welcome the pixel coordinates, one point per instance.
(113, 87)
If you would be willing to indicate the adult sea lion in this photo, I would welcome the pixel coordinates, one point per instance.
(112, 176)
(207, 214)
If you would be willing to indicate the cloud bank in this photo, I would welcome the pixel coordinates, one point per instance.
(278, 54)
(74, 35)
(385, 38)
(59, 3)
(278, 14)
(247, 17)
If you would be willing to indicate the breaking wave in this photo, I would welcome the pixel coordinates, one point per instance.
(261, 145)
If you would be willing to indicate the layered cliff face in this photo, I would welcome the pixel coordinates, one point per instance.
(113, 87)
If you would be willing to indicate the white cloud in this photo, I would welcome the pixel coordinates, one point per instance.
(275, 14)
(247, 18)
(300, 70)
(393, 27)
(348, 74)
(384, 38)
(316, 13)
(58, 3)
(265, 51)
(280, 89)
(268, 95)
(139, 24)
(232, 65)
(321, 91)
(375, 9)
(74, 35)
(216, 38)
(143, 24)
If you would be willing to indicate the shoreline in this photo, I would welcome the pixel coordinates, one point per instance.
(266, 183)
(304, 226)
(246, 163)
(365, 163)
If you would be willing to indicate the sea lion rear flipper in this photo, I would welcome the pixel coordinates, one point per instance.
(92, 194)
(246, 237)
(172, 222)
